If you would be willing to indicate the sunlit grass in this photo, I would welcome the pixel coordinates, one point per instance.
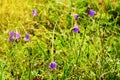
(91, 54)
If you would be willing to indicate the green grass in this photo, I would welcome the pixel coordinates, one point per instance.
(92, 54)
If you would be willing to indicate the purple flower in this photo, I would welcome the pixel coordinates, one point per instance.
(53, 65)
(27, 37)
(76, 29)
(11, 39)
(91, 12)
(11, 33)
(76, 16)
(13, 36)
(34, 13)
(17, 35)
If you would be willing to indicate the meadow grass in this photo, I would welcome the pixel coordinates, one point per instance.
(92, 54)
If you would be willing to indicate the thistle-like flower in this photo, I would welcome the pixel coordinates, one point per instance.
(91, 12)
(27, 37)
(13, 36)
(76, 16)
(53, 65)
(11, 39)
(34, 13)
(76, 29)
(17, 35)
(11, 33)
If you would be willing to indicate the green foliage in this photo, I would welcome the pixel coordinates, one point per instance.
(92, 54)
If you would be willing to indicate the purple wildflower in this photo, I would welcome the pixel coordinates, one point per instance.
(27, 37)
(76, 16)
(76, 29)
(11, 33)
(11, 39)
(13, 36)
(17, 35)
(53, 65)
(91, 12)
(34, 13)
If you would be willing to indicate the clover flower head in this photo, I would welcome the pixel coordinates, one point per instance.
(53, 65)
(34, 13)
(76, 16)
(17, 35)
(27, 37)
(13, 36)
(76, 29)
(11, 39)
(11, 33)
(91, 12)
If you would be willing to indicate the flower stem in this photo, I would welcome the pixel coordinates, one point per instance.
(52, 54)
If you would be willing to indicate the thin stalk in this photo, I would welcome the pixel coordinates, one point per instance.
(30, 51)
(30, 69)
(52, 53)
